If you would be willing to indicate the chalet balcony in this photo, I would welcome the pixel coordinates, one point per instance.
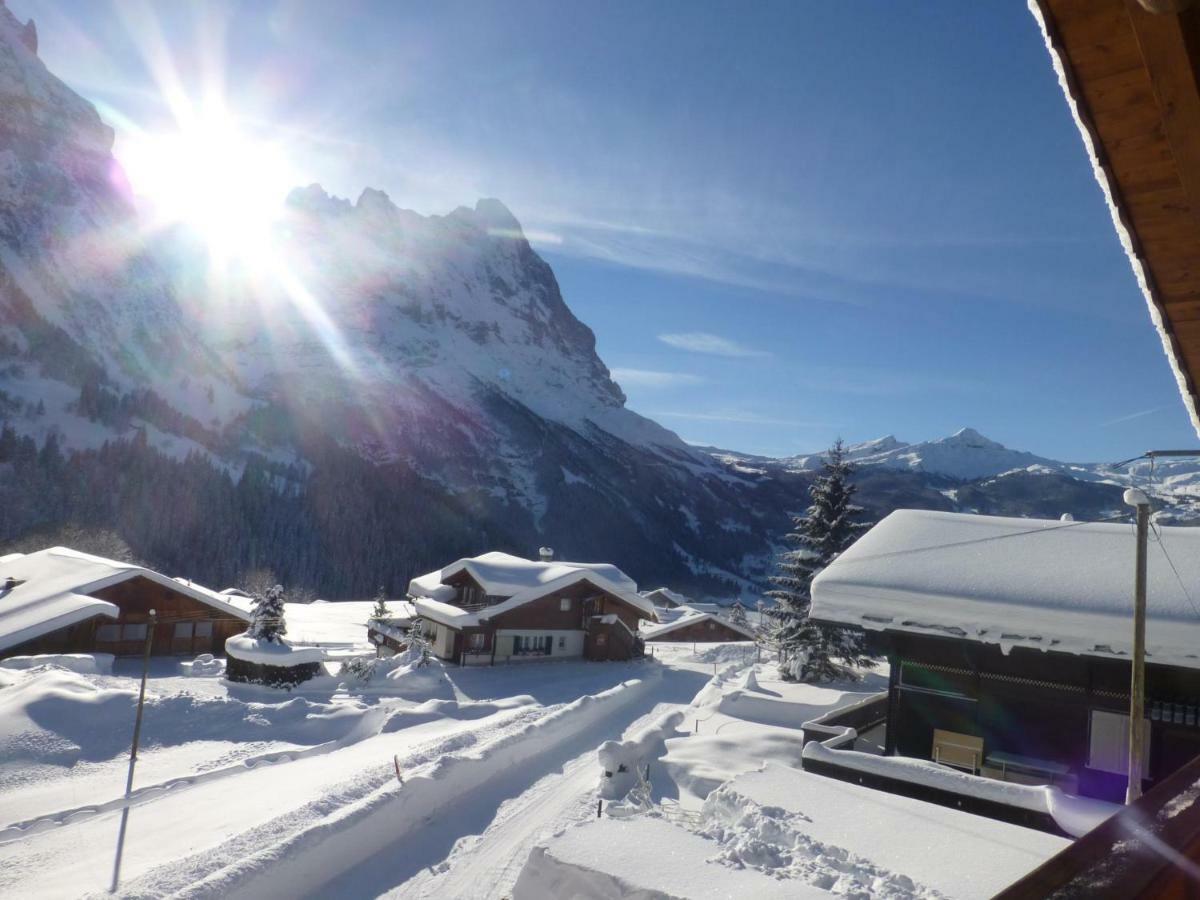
(849, 744)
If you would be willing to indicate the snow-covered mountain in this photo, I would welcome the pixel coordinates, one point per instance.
(399, 389)
(966, 454)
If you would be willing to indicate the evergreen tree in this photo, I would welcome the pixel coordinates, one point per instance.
(267, 623)
(737, 613)
(808, 651)
(380, 613)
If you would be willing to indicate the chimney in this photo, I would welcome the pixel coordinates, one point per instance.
(546, 554)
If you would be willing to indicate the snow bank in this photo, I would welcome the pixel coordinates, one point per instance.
(301, 863)
(203, 666)
(766, 710)
(270, 653)
(85, 663)
(622, 761)
(52, 717)
(1079, 815)
(847, 839)
(645, 858)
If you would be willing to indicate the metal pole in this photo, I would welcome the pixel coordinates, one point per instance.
(1137, 683)
(137, 733)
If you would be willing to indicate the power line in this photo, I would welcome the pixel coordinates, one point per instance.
(1158, 539)
(842, 560)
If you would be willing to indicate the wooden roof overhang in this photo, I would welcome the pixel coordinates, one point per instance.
(1129, 69)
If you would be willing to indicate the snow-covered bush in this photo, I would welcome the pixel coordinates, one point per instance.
(267, 623)
(380, 613)
(270, 661)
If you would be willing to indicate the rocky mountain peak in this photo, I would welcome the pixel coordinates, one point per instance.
(969, 437)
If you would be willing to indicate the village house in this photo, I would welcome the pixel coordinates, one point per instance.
(499, 608)
(1010, 641)
(698, 627)
(62, 601)
(665, 598)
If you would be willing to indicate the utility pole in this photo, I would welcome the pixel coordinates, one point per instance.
(1137, 683)
(137, 733)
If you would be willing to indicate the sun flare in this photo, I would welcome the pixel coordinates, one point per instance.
(219, 181)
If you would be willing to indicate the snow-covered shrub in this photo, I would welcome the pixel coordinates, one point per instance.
(270, 661)
(268, 623)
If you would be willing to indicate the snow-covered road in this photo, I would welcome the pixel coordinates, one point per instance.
(487, 775)
(483, 865)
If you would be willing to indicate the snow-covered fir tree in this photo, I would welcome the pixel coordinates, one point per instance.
(809, 651)
(267, 622)
(737, 613)
(381, 612)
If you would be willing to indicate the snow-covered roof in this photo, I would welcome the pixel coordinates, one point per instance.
(667, 597)
(503, 575)
(456, 617)
(1046, 584)
(693, 619)
(522, 581)
(52, 587)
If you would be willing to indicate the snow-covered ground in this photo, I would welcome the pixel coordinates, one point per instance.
(244, 791)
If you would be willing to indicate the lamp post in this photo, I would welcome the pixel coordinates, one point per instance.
(1137, 684)
(137, 733)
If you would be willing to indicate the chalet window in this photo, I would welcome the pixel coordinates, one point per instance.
(477, 640)
(528, 645)
(133, 632)
(183, 630)
(108, 634)
(1108, 745)
(565, 604)
(711, 625)
(562, 643)
(203, 629)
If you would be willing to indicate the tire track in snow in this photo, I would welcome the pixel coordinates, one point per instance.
(179, 875)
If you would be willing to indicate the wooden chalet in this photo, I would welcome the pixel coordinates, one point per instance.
(62, 601)
(1010, 639)
(699, 628)
(498, 608)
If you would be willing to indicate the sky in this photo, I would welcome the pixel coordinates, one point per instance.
(785, 221)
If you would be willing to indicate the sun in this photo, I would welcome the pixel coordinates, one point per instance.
(218, 180)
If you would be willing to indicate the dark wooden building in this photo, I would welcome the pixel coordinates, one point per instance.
(61, 601)
(700, 628)
(1009, 642)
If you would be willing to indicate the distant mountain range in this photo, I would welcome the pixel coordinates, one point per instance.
(416, 389)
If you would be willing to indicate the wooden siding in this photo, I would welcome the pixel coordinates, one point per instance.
(135, 598)
(1133, 77)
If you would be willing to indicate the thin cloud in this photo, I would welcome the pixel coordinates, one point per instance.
(1132, 416)
(711, 344)
(738, 418)
(649, 378)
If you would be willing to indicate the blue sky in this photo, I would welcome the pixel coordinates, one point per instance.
(784, 221)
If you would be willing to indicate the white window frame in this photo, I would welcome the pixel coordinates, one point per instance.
(1108, 743)
(564, 604)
